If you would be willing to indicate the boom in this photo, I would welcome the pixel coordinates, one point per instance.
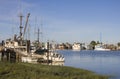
(26, 24)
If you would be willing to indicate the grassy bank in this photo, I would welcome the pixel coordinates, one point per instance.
(37, 71)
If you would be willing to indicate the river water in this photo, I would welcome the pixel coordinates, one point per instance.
(101, 62)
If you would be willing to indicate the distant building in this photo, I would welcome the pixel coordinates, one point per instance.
(61, 46)
(118, 48)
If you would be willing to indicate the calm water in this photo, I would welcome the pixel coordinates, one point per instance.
(97, 61)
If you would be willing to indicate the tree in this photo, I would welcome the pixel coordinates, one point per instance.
(92, 44)
(98, 42)
(118, 44)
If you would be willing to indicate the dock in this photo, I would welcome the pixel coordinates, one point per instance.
(11, 55)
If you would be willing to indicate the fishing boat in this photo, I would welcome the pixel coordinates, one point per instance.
(33, 55)
(28, 52)
(51, 55)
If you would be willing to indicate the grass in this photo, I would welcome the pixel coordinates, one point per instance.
(37, 71)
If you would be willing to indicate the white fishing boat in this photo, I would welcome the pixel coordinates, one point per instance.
(49, 55)
(33, 55)
(56, 57)
(27, 51)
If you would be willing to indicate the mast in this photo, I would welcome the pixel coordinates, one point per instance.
(38, 36)
(21, 28)
(101, 38)
(35, 31)
(21, 25)
(41, 31)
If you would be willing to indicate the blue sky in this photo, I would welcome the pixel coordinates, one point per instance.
(63, 20)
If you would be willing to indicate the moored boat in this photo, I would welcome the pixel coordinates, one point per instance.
(49, 55)
(28, 52)
(76, 47)
(100, 48)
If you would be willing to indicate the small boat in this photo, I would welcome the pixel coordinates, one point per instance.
(100, 48)
(76, 47)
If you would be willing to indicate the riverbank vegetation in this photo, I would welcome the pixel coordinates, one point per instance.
(37, 71)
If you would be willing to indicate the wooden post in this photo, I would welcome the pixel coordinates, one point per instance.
(9, 56)
(28, 46)
(0, 55)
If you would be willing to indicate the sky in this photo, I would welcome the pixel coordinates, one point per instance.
(63, 20)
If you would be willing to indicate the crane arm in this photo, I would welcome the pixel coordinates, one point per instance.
(26, 24)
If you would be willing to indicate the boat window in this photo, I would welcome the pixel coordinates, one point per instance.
(41, 51)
